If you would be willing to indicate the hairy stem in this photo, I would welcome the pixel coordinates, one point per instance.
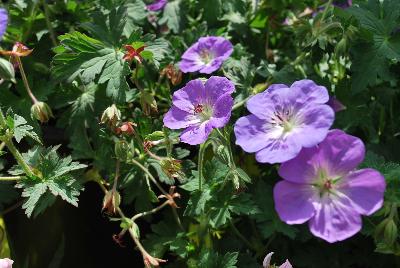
(11, 178)
(150, 176)
(154, 210)
(25, 80)
(14, 151)
(200, 164)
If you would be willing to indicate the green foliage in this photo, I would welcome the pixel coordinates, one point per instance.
(53, 175)
(20, 129)
(380, 45)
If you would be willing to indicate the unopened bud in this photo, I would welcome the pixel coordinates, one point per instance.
(111, 116)
(390, 232)
(41, 111)
(111, 202)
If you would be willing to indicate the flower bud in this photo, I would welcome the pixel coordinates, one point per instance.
(127, 128)
(41, 111)
(111, 202)
(121, 149)
(111, 116)
(390, 232)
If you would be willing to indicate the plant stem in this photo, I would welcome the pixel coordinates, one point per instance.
(11, 147)
(116, 176)
(154, 210)
(17, 155)
(150, 176)
(200, 164)
(48, 22)
(12, 178)
(2, 145)
(25, 80)
(241, 237)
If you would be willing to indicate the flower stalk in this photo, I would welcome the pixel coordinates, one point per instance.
(25, 80)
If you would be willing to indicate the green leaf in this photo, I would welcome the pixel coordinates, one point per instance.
(372, 57)
(53, 176)
(91, 60)
(211, 259)
(172, 16)
(21, 129)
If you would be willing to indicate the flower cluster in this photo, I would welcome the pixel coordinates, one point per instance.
(288, 125)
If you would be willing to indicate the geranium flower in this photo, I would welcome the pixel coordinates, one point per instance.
(199, 108)
(267, 261)
(284, 120)
(206, 55)
(3, 21)
(322, 186)
(157, 5)
(6, 263)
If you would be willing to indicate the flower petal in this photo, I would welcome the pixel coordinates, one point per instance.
(279, 150)
(335, 219)
(286, 264)
(314, 92)
(196, 134)
(315, 119)
(267, 260)
(222, 111)
(294, 202)
(365, 188)
(190, 66)
(189, 96)
(250, 133)
(216, 86)
(175, 118)
(3, 21)
(211, 67)
(261, 105)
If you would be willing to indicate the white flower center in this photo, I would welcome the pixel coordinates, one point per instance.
(206, 56)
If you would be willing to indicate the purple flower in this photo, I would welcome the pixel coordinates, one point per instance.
(3, 21)
(199, 108)
(284, 120)
(157, 5)
(267, 260)
(206, 55)
(322, 186)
